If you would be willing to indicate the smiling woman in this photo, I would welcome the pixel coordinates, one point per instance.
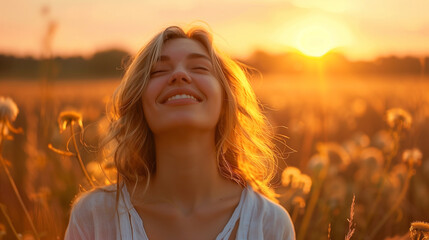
(192, 146)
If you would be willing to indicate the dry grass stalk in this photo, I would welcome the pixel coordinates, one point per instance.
(69, 119)
(329, 231)
(8, 113)
(6, 216)
(350, 220)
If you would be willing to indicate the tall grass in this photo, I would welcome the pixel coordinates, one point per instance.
(344, 148)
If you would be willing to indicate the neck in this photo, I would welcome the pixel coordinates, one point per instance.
(187, 173)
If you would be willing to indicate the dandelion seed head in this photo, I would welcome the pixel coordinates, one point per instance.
(412, 157)
(306, 183)
(383, 140)
(398, 118)
(419, 230)
(336, 153)
(66, 117)
(94, 169)
(317, 162)
(397, 176)
(299, 202)
(8, 109)
(421, 226)
(361, 139)
(290, 176)
(372, 158)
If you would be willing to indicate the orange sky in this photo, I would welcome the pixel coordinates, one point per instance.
(361, 29)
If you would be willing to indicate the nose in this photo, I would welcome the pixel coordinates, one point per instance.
(180, 75)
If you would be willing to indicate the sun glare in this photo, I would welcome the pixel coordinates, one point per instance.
(314, 41)
(315, 35)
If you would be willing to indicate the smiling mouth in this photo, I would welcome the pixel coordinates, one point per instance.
(180, 99)
(181, 96)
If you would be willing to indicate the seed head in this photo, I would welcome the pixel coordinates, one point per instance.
(293, 177)
(398, 118)
(305, 182)
(412, 157)
(290, 176)
(8, 109)
(67, 117)
(299, 202)
(419, 231)
(317, 162)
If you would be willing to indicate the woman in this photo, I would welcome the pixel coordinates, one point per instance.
(193, 151)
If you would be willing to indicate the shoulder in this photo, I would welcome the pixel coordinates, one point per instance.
(98, 199)
(275, 219)
(90, 212)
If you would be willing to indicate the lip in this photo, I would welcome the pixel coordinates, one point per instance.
(178, 91)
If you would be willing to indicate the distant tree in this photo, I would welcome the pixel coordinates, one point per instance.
(395, 65)
(107, 63)
(426, 65)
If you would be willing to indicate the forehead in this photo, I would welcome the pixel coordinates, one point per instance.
(182, 47)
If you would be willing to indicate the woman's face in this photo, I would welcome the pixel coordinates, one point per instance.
(182, 91)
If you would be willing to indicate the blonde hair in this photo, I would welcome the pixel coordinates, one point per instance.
(245, 151)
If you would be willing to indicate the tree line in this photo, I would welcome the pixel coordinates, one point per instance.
(111, 64)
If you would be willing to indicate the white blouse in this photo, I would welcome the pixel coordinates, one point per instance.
(94, 216)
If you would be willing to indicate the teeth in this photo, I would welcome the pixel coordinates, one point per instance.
(181, 96)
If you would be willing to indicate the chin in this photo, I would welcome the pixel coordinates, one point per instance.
(182, 124)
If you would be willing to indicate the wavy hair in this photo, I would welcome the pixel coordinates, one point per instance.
(244, 147)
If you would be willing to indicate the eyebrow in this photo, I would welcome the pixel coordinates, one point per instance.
(163, 58)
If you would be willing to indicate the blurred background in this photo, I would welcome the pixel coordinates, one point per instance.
(344, 82)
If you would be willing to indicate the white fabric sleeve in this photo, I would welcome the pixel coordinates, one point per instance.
(282, 227)
(81, 225)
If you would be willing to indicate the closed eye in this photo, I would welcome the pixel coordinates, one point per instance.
(201, 68)
(157, 72)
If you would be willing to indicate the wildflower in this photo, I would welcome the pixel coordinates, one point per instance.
(67, 117)
(290, 176)
(8, 113)
(372, 157)
(299, 202)
(305, 183)
(335, 152)
(419, 231)
(384, 141)
(412, 156)
(8, 110)
(293, 177)
(397, 118)
(397, 176)
(317, 162)
(361, 139)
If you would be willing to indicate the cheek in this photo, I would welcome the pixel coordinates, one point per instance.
(149, 97)
(218, 93)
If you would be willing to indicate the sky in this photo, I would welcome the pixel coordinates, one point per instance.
(360, 29)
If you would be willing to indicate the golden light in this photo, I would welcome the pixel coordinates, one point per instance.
(314, 41)
(315, 34)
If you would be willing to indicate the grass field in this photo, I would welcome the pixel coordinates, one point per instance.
(338, 137)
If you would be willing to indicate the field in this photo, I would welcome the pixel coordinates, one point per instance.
(339, 141)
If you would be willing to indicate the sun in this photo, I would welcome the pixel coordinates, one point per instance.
(314, 41)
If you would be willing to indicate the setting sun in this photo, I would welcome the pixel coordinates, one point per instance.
(314, 41)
